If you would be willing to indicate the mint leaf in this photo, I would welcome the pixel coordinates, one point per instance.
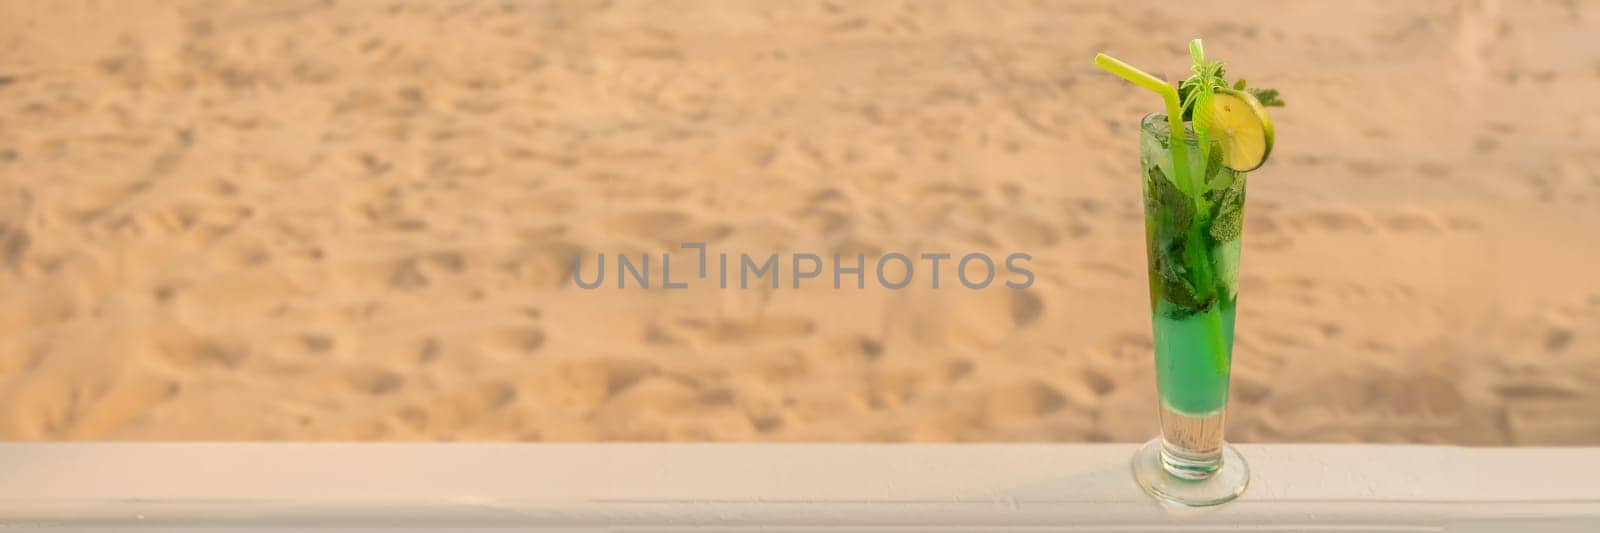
(1267, 97)
(1175, 285)
(1173, 209)
(1229, 221)
(1233, 198)
(1239, 85)
(1173, 213)
(1227, 226)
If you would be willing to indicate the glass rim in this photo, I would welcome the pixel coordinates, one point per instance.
(1144, 128)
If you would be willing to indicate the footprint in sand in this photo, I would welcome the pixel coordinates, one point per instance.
(14, 243)
(1027, 399)
(1332, 220)
(420, 270)
(240, 254)
(317, 343)
(1367, 169)
(767, 423)
(850, 351)
(871, 348)
(648, 225)
(549, 264)
(1098, 381)
(1032, 232)
(428, 350)
(1534, 390)
(827, 220)
(1249, 389)
(516, 340)
(187, 353)
(1266, 232)
(580, 386)
(372, 381)
(849, 247)
(1026, 307)
(782, 365)
(448, 413)
(648, 410)
(1435, 170)
(214, 222)
(1413, 222)
(1381, 393)
(733, 331)
(657, 334)
(886, 389)
(89, 202)
(73, 405)
(1128, 347)
(956, 370)
(1557, 339)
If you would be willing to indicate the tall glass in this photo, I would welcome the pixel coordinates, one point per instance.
(1192, 246)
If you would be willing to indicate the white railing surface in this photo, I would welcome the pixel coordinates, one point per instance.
(788, 487)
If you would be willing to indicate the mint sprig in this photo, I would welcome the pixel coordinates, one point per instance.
(1212, 75)
(1207, 78)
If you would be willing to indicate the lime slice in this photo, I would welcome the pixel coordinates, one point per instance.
(1241, 125)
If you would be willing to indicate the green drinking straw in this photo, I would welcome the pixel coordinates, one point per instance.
(1177, 139)
(1169, 95)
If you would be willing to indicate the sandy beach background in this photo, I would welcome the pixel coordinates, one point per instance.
(354, 220)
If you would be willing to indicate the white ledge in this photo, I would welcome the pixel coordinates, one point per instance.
(977, 487)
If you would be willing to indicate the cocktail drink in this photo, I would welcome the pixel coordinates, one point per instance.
(1193, 162)
(1193, 254)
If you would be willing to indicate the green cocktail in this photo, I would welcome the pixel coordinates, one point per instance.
(1193, 162)
(1193, 253)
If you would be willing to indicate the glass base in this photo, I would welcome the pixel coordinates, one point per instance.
(1222, 486)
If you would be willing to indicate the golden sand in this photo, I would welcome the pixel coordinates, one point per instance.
(354, 220)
